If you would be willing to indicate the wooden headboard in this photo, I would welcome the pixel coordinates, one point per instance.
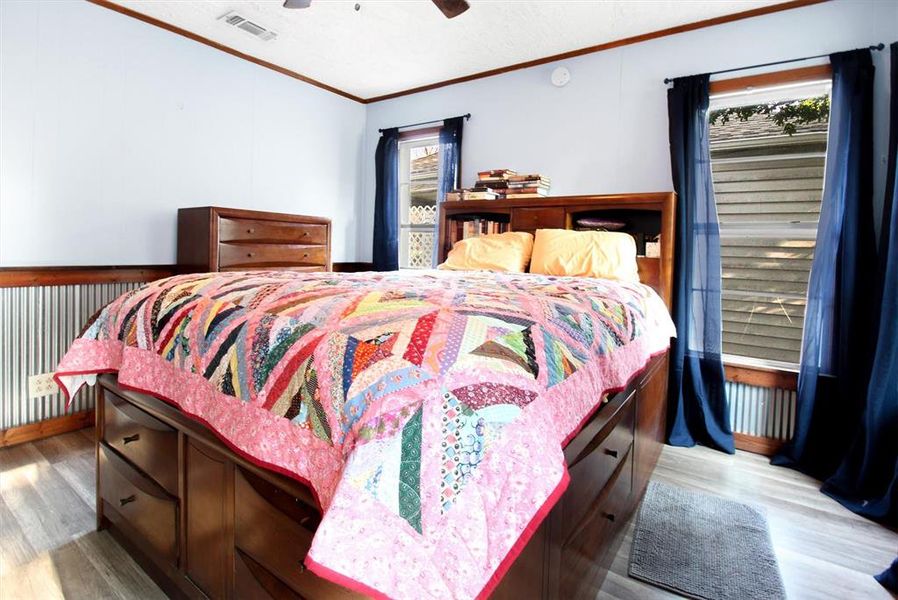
(649, 218)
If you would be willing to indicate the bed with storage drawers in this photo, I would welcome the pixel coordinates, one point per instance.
(215, 500)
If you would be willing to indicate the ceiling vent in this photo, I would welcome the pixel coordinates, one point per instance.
(240, 22)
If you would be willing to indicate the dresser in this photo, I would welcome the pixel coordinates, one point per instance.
(211, 238)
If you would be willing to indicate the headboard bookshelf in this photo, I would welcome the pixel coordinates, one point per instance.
(649, 218)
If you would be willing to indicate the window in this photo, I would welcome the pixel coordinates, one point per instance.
(768, 148)
(418, 174)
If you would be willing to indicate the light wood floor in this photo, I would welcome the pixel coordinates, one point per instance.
(49, 549)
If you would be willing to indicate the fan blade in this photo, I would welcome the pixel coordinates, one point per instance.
(297, 3)
(452, 8)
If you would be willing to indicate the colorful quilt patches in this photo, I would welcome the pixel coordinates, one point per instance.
(419, 390)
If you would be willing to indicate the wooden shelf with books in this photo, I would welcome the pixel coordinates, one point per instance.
(636, 214)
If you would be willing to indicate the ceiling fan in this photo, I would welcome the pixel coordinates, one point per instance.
(450, 8)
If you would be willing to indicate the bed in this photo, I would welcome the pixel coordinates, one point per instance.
(434, 435)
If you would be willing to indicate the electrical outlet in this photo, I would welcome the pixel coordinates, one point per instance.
(41, 385)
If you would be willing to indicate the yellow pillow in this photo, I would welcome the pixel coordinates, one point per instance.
(605, 254)
(509, 251)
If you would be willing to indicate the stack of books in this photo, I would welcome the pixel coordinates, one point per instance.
(471, 194)
(495, 180)
(528, 186)
(503, 183)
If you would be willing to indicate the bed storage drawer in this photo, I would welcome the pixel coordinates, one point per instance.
(599, 461)
(250, 256)
(272, 232)
(138, 506)
(589, 550)
(150, 444)
(275, 531)
(252, 581)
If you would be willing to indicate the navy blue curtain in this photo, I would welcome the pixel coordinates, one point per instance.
(450, 168)
(867, 479)
(837, 352)
(889, 577)
(386, 202)
(698, 406)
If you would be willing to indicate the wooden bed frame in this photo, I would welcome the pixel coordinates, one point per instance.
(204, 521)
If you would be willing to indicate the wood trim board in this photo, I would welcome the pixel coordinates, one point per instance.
(46, 428)
(785, 77)
(757, 444)
(746, 14)
(422, 132)
(761, 377)
(636, 39)
(352, 267)
(34, 276)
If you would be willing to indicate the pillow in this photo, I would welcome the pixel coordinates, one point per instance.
(606, 254)
(509, 251)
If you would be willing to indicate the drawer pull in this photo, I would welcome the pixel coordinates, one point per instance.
(611, 453)
(250, 254)
(305, 234)
(306, 255)
(250, 230)
(609, 516)
(130, 438)
(127, 500)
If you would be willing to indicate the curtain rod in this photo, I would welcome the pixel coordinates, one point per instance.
(878, 46)
(467, 116)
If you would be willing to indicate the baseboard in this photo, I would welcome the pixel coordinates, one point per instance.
(46, 428)
(757, 444)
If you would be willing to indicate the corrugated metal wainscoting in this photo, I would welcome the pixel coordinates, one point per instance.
(37, 325)
(761, 411)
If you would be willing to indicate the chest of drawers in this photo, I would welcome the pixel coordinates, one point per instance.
(212, 238)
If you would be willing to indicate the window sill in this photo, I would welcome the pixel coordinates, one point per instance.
(760, 375)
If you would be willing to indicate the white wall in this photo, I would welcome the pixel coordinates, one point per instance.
(606, 131)
(109, 125)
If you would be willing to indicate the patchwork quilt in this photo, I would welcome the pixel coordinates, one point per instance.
(427, 411)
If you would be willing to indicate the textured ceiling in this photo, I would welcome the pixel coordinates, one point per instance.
(393, 45)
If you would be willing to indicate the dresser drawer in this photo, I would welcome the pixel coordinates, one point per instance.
(140, 508)
(248, 230)
(147, 442)
(531, 219)
(275, 530)
(259, 256)
(590, 475)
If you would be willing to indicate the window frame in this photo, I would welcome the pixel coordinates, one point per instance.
(426, 136)
(744, 368)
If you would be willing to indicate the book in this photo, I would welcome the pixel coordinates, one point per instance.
(512, 196)
(479, 195)
(533, 177)
(527, 186)
(528, 190)
(501, 183)
(495, 173)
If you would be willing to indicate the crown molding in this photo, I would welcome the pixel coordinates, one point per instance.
(746, 14)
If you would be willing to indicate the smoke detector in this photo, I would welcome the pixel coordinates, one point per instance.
(237, 20)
